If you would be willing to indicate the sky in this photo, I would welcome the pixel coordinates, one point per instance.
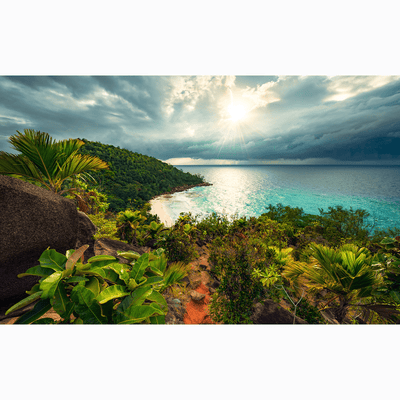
(205, 119)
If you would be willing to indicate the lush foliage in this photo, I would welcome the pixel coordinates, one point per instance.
(349, 274)
(102, 291)
(46, 161)
(179, 241)
(134, 178)
(236, 258)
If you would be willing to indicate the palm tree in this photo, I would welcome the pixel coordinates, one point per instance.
(47, 161)
(349, 273)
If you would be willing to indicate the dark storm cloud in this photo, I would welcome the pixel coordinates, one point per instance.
(292, 118)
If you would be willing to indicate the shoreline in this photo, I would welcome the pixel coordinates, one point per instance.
(158, 208)
(181, 189)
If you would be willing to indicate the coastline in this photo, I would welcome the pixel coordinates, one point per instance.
(157, 206)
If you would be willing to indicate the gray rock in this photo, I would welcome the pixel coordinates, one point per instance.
(31, 220)
(269, 312)
(196, 296)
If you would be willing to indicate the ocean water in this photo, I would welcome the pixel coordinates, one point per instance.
(247, 190)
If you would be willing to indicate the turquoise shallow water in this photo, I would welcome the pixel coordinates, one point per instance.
(247, 190)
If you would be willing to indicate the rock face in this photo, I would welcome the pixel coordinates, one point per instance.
(271, 313)
(31, 220)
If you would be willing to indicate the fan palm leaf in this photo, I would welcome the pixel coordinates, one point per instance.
(45, 160)
(349, 272)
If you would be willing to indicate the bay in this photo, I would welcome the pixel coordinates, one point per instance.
(247, 190)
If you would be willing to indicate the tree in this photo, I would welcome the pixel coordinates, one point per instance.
(349, 273)
(47, 161)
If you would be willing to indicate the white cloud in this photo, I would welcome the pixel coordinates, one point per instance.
(343, 87)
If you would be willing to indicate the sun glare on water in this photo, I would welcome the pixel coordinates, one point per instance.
(237, 112)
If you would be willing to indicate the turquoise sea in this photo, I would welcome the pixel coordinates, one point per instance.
(247, 190)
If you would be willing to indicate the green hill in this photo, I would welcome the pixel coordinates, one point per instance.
(133, 178)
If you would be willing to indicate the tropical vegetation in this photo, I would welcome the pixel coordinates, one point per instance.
(326, 268)
(45, 161)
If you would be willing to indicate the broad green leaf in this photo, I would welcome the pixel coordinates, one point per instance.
(93, 284)
(122, 272)
(137, 297)
(140, 267)
(153, 280)
(102, 257)
(78, 321)
(387, 241)
(44, 321)
(49, 285)
(62, 305)
(129, 255)
(156, 271)
(69, 265)
(160, 263)
(137, 314)
(51, 259)
(37, 271)
(159, 299)
(86, 306)
(76, 279)
(41, 307)
(158, 319)
(111, 292)
(24, 302)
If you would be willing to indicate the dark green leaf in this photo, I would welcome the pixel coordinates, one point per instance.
(41, 307)
(62, 305)
(76, 279)
(44, 321)
(395, 296)
(24, 302)
(37, 271)
(137, 314)
(86, 306)
(158, 319)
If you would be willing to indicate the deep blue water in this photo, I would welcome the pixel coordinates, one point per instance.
(247, 190)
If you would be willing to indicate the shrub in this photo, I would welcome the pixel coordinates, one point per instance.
(103, 291)
(179, 241)
(234, 259)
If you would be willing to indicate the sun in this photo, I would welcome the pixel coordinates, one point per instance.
(237, 112)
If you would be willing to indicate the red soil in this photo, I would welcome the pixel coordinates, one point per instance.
(197, 312)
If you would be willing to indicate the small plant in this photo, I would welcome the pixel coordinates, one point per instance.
(128, 223)
(103, 291)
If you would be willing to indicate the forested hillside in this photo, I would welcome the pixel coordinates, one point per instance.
(134, 178)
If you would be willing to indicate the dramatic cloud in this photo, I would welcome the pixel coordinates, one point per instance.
(215, 119)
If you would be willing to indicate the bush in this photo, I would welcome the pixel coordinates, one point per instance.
(179, 241)
(234, 260)
(103, 291)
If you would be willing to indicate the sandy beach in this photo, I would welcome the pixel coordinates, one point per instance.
(157, 208)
